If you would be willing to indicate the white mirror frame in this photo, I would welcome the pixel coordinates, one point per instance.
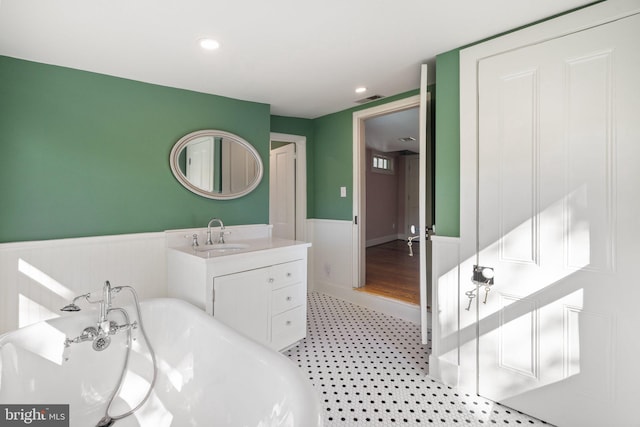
(182, 179)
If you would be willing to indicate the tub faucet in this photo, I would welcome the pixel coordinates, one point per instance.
(100, 334)
(104, 326)
(220, 236)
(100, 337)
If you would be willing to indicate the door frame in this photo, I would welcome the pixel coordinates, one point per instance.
(301, 178)
(595, 15)
(359, 180)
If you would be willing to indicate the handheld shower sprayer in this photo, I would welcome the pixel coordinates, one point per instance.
(105, 303)
(104, 328)
(100, 335)
(71, 307)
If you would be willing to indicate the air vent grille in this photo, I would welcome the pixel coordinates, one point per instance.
(369, 99)
(407, 139)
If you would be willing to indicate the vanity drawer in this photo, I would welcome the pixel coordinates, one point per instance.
(287, 274)
(286, 298)
(288, 327)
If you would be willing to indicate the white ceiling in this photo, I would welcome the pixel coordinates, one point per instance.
(303, 57)
(383, 133)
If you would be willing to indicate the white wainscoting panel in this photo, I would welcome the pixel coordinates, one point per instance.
(38, 278)
(311, 275)
(445, 323)
(331, 263)
(332, 252)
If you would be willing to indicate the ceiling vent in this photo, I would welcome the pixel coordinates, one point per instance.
(407, 139)
(369, 99)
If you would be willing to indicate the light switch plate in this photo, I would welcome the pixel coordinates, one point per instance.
(343, 191)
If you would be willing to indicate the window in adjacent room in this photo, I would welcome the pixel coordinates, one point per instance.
(382, 164)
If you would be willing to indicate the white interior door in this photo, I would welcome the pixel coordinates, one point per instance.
(424, 214)
(559, 220)
(200, 163)
(239, 168)
(282, 191)
(412, 193)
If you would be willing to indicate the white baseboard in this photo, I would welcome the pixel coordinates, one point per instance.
(445, 372)
(383, 239)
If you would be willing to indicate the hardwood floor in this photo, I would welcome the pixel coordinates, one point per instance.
(392, 273)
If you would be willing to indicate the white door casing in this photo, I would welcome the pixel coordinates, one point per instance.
(359, 188)
(359, 181)
(558, 145)
(424, 214)
(282, 194)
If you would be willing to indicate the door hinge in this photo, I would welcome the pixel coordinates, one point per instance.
(429, 231)
(355, 220)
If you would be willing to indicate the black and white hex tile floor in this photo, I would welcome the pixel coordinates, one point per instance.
(371, 369)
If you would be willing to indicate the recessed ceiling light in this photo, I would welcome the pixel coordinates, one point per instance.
(361, 89)
(209, 44)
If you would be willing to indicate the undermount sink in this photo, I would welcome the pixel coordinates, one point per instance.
(221, 247)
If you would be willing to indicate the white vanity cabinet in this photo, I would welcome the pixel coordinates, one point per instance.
(261, 293)
(267, 304)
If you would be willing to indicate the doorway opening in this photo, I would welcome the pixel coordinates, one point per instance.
(391, 180)
(391, 273)
(396, 154)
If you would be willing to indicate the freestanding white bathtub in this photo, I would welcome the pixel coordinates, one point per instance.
(208, 375)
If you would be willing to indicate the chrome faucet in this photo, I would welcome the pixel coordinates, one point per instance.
(220, 236)
(104, 327)
(100, 334)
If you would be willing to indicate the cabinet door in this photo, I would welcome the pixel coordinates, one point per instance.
(241, 301)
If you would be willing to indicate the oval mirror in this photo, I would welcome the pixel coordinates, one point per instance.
(216, 164)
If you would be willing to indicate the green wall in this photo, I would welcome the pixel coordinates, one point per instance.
(447, 179)
(84, 154)
(333, 158)
(330, 160)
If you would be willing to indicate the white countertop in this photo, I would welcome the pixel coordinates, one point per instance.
(253, 245)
